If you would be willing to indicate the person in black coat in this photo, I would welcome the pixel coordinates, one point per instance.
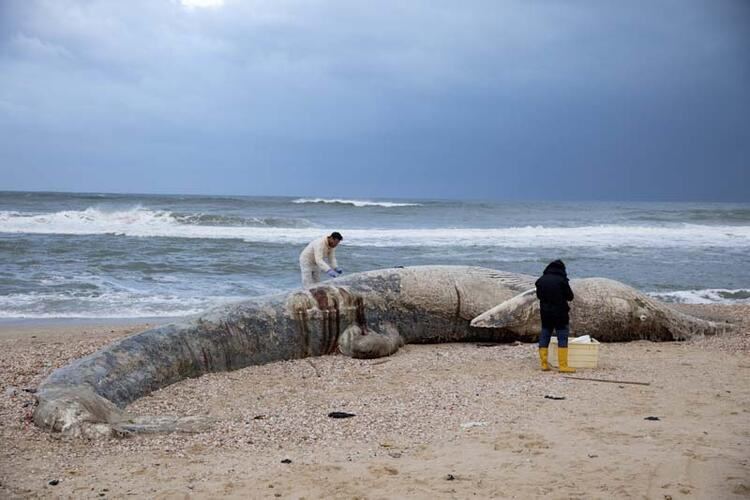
(554, 293)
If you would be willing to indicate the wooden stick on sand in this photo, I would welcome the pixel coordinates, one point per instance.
(605, 380)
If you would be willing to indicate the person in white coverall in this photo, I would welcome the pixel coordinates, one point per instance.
(313, 258)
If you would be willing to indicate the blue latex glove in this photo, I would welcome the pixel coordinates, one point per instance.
(331, 273)
(339, 270)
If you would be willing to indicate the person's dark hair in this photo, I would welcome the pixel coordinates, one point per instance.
(336, 236)
(556, 264)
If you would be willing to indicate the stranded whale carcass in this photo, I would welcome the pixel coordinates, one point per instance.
(363, 315)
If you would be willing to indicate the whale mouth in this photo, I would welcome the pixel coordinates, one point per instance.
(151, 424)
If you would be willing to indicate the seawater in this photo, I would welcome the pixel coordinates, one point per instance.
(89, 255)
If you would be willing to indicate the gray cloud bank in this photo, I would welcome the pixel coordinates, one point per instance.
(512, 99)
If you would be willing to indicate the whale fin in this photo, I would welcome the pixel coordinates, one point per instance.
(356, 343)
(517, 313)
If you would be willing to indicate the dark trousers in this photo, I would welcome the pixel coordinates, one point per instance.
(546, 335)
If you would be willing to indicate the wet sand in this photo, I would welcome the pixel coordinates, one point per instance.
(432, 421)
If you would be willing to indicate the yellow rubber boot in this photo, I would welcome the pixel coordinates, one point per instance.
(543, 357)
(562, 358)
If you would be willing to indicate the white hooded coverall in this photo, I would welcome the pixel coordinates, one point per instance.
(312, 260)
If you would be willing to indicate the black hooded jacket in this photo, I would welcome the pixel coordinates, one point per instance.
(553, 292)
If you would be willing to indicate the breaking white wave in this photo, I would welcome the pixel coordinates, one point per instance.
(141, 222)
(111, 304)
(357, 203)
(137, 221)
(707, 296)
(89, 221)
(201, 219)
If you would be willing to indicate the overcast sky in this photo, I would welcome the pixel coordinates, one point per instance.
(523, 99)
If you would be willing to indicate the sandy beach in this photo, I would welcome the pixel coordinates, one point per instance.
(432, 421)
(248, 181)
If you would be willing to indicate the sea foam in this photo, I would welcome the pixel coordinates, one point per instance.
(108, 304)
(140, 222)
(706, 296)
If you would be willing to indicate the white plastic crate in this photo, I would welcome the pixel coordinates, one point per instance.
(579, 355)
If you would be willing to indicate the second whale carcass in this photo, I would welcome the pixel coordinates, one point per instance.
(364, 315)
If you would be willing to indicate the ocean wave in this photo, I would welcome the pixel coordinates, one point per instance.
(202, 219)
(112, 304)
(357, 203)
(136, 221)
(706, 296)
(141, 222)
(722, 215)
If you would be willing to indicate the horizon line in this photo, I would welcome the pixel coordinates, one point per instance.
(376, 197)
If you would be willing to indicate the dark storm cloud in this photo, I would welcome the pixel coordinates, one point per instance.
(577, 100)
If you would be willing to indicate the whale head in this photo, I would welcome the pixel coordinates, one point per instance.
(603, 308)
